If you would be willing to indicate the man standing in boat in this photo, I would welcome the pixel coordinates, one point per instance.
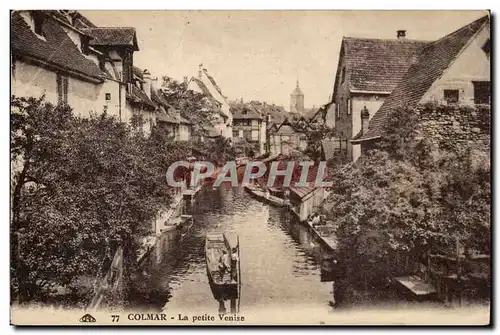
(222, 266)
(234, 264)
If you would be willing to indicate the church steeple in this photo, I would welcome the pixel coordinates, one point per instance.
(297, 100)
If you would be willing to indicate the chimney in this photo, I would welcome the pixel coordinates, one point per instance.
(401, 34)
(200, 70)
(147, 82)
(365, 118)
(178, 116)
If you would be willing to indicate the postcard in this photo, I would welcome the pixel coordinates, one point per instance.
(250, 167)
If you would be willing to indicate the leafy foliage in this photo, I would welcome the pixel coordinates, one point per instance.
(80, 188)
(315, 138)
(219, 150)
(407, 195)
(194, 106)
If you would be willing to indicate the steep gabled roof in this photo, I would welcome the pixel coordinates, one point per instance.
(115, 36)
(376, 65)
(212, 80)
(139, 96)
(138, 72)
(286, 128)
(432, 63)
(206, 92)
(245, 111)
(57, 49)
(80, 21)
(310, 113)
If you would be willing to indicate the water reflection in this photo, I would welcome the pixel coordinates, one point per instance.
(280, 263)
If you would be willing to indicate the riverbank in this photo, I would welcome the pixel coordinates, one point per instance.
(175, 219)
(323, 232)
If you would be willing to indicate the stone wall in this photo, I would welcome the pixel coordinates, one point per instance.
(450, 126)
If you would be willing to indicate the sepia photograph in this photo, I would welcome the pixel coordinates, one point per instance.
(250, 167)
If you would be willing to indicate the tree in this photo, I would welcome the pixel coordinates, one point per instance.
(194, 106)
(81, 188)
(314, 140)
(219, 151)
(408, 195)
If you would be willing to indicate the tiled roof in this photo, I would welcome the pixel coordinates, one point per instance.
(245, 111)
(330, 146)
(138, 72)
(57, 49)
(302, 191)
(206, 92)
(165, 117)
(157, 98)
(80, 21)
(139, 96)
(286, 128)
(119, 36)
(212, 80)
(310, 113)
(377, 64)
(168, 113)
(433, 61)
(294, 116)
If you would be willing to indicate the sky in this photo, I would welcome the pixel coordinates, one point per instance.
(259, 55)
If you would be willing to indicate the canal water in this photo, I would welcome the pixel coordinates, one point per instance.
(279, 260)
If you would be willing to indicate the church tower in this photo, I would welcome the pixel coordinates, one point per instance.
(297, 100)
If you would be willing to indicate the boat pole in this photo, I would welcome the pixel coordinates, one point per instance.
(239, 272)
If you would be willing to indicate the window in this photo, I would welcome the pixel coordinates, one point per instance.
(337, 111)
(62, 89)
(38, 19)
(102, 63)
(255, 135)
(108, 96)
(482, 92)
(451, 96)
(486, 48)
(240, 133)
(85, 45)
(342, 75)
(349, 106)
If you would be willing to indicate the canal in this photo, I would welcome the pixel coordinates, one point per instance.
(278, 264)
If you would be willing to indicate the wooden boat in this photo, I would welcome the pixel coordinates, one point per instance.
(187, 223)
(262, 196)
(224, 280)
(171, 224)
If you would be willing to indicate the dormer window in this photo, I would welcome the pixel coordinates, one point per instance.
(85, 45)
(38, 19)
(245, 112)
(102, 63)
(486, 48)
(451, 96)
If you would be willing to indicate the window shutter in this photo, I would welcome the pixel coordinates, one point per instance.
(482, 92)
(65, 89)
(59, 88)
